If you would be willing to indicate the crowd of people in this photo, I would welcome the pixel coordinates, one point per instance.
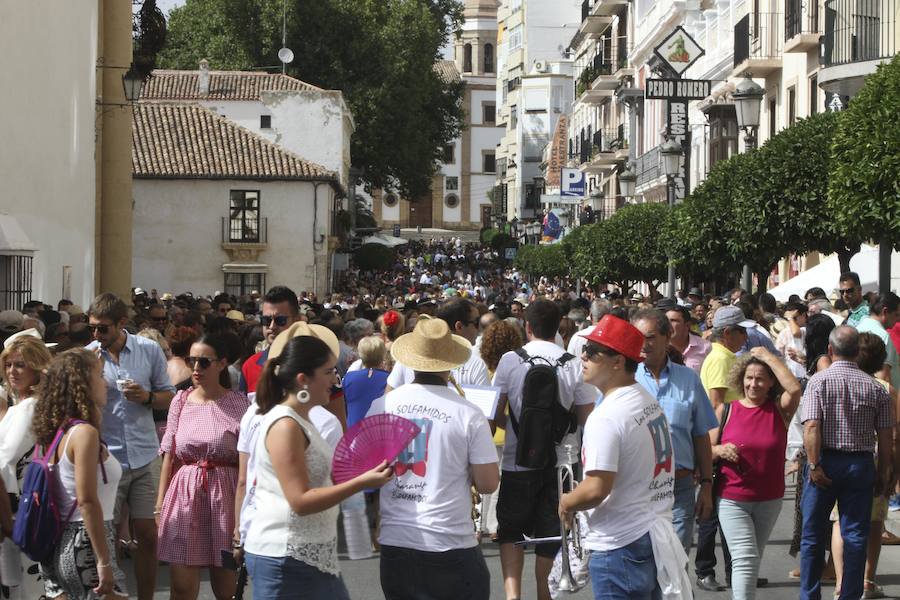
(200, 431)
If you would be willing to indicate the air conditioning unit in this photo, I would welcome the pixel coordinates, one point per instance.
(540, 66)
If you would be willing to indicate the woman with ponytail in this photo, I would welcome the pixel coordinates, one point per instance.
(195, 504)
(291, 546)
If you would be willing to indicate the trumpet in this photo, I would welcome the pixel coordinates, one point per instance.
(565, 481)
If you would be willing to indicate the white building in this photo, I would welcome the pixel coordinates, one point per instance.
(218, 207)
(534, 88)
(48, 165)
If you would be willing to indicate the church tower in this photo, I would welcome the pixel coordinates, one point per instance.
(475, 52)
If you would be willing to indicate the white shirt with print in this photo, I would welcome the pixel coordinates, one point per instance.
(428, 505)
(473, 372)
(628, 434)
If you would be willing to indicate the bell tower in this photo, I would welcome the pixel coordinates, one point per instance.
(475, 52)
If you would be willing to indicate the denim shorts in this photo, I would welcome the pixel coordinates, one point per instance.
(627, 573)
(285, 578)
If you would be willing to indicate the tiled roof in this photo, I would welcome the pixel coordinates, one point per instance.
(447, 70)
(223, 85)
(187, 141)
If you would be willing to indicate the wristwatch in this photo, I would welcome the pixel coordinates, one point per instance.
(149, 401)
(813, 466)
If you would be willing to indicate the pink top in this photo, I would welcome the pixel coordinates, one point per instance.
(696, 352)
(761, 438)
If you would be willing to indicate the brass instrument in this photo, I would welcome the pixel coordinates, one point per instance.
(565, 481)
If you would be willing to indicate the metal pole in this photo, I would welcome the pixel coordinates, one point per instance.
(670, 195)
(884, 266)
(750, 145)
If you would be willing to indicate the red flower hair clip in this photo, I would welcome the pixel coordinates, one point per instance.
(391, 318)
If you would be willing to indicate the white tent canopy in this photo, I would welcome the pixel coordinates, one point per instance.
(825, 275)
(385, 240)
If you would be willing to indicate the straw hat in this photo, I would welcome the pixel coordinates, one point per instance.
(304, 329)
(431, 348)
(235, 315)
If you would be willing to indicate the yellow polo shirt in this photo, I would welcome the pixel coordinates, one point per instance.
(715, 370)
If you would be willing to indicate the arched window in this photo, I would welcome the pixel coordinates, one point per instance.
(467, 58)
(488, 58)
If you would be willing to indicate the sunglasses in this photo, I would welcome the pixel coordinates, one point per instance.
(280, 320)
(159, 319)
(591, 350)
(203, 361)
(101, 329)
(847, 291)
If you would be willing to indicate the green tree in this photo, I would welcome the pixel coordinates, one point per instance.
(374, 257)
(632, 246)
(542, 261)
(380, 53)
(796, 165)
(864, 188)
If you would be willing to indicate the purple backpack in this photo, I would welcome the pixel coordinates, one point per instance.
(39, 525)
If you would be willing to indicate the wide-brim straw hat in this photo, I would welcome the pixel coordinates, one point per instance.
(431, 348)
(304, 329)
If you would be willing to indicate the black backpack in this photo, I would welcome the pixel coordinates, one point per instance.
(543, 421)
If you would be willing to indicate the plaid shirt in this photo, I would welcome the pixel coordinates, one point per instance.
(851, 406)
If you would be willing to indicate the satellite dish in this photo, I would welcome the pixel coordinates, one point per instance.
(286, 55)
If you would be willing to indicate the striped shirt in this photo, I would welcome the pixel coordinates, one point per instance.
(850, 404)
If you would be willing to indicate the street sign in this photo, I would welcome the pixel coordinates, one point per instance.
(679, 131)
(572, 183)
(684, 89)
(679, 50)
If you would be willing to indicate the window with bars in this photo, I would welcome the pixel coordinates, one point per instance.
(241, 284)
(244, 216)
(723, 137)
(15, 281)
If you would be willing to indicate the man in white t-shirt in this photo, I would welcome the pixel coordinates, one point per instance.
(428, 544)
(599, 308)
(461, 316)
(528, 498)
(628, 489)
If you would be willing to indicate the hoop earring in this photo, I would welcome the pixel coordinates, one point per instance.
(303, 396)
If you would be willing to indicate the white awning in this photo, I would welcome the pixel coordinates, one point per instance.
(385, 240)
(825, 274)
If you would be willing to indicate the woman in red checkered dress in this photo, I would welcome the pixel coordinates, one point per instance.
(195, 506)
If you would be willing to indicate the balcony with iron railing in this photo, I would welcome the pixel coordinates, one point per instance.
(596, 82)
(605, 8)
(801, 25)
(758, 44)
(857, 37)
(245, 231)
(605, 144)
(648, 169)
(591, 24)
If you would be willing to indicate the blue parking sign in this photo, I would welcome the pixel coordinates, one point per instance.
(572, 183)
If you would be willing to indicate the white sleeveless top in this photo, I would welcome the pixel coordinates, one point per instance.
(276, 530)
(64, 471)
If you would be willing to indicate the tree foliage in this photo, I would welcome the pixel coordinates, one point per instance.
(379, 53)
(374, 257)
(547, 260)
(864, 188)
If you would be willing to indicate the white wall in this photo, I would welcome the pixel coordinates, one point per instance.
(245, 113)
(178, 224)
(547, 26)
(48, 53)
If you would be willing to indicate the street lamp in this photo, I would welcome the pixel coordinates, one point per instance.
(671, 155)
(748, 96)
(627, 181)
(133, 83)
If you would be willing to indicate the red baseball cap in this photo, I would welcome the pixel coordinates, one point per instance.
(619, 335)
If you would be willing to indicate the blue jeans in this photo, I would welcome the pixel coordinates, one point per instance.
(408, 574)
(852, 475)
(627, 573)
(747, 527)
(287, 578)
(683, 510)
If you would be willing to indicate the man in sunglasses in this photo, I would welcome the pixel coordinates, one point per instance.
(851, 293)
(280, 310)
(158, 318)
(136, 382)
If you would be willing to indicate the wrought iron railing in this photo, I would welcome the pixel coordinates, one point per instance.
(647, 167)
(15, 281)
(800, 16)
(859, 30)
(245, 231)
(756, 37)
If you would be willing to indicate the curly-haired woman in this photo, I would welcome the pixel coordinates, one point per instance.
(21, 364)
(70, 405)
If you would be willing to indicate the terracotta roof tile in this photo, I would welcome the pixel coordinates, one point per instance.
(447, 70)
(223, 85)
(187, 141)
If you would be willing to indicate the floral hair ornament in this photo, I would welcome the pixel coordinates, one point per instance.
(391, 318)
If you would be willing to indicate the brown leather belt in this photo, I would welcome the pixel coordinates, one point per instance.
(681, 473)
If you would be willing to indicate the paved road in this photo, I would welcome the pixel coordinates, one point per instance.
(363, 583)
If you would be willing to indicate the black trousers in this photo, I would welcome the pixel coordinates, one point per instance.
(705, 561)
(408, 574)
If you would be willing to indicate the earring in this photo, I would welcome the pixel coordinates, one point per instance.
(303, 396)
